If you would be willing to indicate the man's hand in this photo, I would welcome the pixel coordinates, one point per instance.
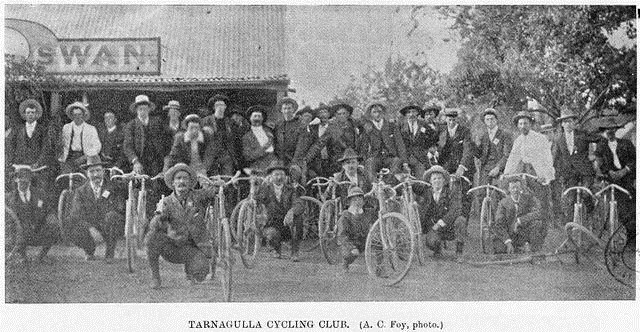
(269, 149)
(460, 171)
(516, 225)
(288, 219)
(509, 247)
(494, 172)
(137, 167)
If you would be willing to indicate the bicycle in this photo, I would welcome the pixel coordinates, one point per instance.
(66, 196)
(577, 231)
(311, 215)
(220, 233)
(328, 221)
(135, 212)
(390, 244)
(248, 218)
(410, 210)
(486, 215)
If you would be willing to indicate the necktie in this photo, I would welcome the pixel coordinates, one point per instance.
(96, 192)
(616, 160)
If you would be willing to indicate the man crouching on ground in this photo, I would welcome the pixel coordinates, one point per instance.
(353, 227)
(179, 226)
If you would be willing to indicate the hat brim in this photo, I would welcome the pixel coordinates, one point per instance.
(167, 107)
(404, 110)
(427, 174)
(335, 108)
(275, 168)
(85, 111)
(187, 119)
(518, 117)
(370, 106)
(171, 172)
(287, 101)
(432, 109)
(30, 103)
(212, 101)
(349, 158)
(132, 107)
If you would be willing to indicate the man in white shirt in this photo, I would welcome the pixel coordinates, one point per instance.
(258, 143)
(531, 153)
(81, 140)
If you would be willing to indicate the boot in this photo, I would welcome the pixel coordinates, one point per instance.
(459, 249)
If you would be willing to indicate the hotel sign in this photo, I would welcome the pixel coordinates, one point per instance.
(95, 56)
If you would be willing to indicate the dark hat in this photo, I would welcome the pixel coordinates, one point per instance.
(171, 172)
(354, 191)
(336, 107)
(325, 107)
(172, 104)
(140, 100)
(566, 113)
(30, 103)
(349, 153)
(234, 110)
(545, 128)
(436, 169)
(522, 114)
(451, 112)
(375, 103)
(306, 109)
(287, 100)
(406, 109)
(258, 108)
(609, 122)
(212, 100)
(93, 161)
(277, 165)
(191, 118)
(79, 105)
(489, 111)
(432, 108)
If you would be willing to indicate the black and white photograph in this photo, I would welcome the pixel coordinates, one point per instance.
(374, 158)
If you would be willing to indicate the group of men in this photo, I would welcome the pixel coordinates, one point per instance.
(326, 141)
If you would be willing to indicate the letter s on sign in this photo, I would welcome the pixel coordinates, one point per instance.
(45, 55)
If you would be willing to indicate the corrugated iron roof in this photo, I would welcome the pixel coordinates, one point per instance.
(198, 43)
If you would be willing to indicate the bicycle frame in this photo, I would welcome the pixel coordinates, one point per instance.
(488, 213)
(613, 204)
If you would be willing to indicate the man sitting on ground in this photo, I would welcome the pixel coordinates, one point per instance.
(353, 227)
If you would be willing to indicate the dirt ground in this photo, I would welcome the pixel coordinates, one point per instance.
(68, 278)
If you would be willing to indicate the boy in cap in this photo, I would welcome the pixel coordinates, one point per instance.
(178, 231)
(35, 221)
(353, 227)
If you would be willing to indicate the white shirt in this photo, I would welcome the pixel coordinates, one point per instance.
(378, 124)
(569, 137)
(144, 121)
(97, 190)
(613, 146)
(25, 196)
(110, 130)
(353, 179)
(322, 129)
(452, 131)
(261, 135)
(413, 127)
(436, 195)
(30, 128)
(77, 136)
(278, 191)
(535, 149)
(492, 133)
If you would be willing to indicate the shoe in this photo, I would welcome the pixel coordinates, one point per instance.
(90, 257)
(295, 257)
(459, 258)
(155, 284)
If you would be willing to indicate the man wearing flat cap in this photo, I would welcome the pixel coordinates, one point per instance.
(283, 209)
(178, 232)
(80, 139)
(194, 146)
(34, 221)
(97, 212)
(418, 138)
(29, 144)
(616, 161)
(144, 140)
(220, 124)
(381, 144)
(570, 151)
(258, 143)
(531, 153)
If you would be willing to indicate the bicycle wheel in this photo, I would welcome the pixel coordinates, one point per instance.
(310, 233)
(12, 232)
(64, 208)
(414, 219)
(389, 259)
(327, 229)
(582, 240)
(225, 260)
(620, 257)
(249, 239)
(212, 225)
(233, 221)
(141, 218)
(485, 223)
(129, 235)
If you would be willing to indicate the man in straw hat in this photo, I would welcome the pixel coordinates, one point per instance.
(34, 220)
(441, 212)
(531, 153)
(80, 139)
(97, 212)
(223, 129)
(284, 208)
(570, 151)
(178, 232)
(353, 227)
(418, 138)
(29, 144)
(517, 221)
(258, 143)
(381, 143)
(144, 140)
(616, 161)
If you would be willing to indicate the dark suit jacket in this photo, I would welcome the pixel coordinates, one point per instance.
(186, 222)
(254, 154)
(626, 152)
(287, 134)
(112, 144)
(136, 143)
(32, 215)
(567, 163)
(418, 145)
(448, 207)
(508, 211)
(276, 210)
(28, 151)
(388, 140)
(363, 182)
(496, 153)
(85, 208)
(227, 133)
(457, 151)
(310, 144)
(208, 150)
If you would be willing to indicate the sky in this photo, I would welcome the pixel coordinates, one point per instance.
(328, 44)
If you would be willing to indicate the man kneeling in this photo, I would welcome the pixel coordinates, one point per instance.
(179, 226)
(353, 227)
(517, 221)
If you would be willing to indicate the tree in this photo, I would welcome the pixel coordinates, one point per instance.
(399, 83)
(556, 55)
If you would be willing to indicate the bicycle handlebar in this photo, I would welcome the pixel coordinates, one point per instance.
(212, 179)
(578, 189)
(72, 175)
(522, 175)
(614, 186)
(16, 166)
(317, 179)
(487, 186)
(462, 177)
